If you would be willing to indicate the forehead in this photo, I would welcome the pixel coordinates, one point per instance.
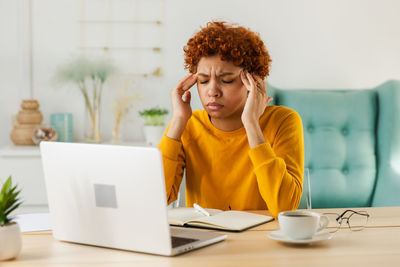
(215, 64)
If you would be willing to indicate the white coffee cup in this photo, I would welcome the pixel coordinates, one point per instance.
(301, 224)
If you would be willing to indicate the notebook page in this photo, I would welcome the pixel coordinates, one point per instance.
(233, 220)
(183, 214)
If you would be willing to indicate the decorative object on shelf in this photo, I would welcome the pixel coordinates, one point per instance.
(63, 124)
(10, 233)
(27, 120)
(89, 76)
(43, 133)
(154, 124)
(120, 108)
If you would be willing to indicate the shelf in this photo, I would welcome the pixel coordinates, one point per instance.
(20, 151)
(157, 22)
(109, 28)
(156, 73)
(14, 151)
(106, 48)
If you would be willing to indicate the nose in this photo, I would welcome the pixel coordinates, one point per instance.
(213, 89)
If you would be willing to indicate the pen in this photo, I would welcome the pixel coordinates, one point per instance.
(200, 209)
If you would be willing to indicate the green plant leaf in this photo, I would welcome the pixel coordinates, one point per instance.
(153, 112)
(2, 220)
(154, 116)
(102, 69)
(12, 208)
(9, 200)
(6, 185)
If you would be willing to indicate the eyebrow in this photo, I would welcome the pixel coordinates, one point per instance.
(221, 75)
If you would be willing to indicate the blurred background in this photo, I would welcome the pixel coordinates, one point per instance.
(340, 44)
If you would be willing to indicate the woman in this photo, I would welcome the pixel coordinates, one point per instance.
(238, 152)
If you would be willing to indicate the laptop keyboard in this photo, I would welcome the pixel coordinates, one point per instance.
(180, 241)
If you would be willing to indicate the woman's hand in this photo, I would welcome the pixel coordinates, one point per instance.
(257, 101)
(182, 111)
(257, 98)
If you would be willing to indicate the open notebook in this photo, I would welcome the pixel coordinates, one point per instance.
(233, 221)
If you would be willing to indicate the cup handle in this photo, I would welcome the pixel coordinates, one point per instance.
(324, 224)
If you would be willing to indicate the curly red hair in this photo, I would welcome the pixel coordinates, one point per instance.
(237, 44)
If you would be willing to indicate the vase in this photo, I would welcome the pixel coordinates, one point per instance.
(28, 118)
(63, 124)
(22, 134)
(153, 134)
(92, 124)
(10, 241)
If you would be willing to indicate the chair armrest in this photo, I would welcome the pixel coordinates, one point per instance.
(388, 145)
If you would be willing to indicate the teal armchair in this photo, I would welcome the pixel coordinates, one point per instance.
(352, 143)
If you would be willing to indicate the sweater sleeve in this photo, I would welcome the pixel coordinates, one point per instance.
(174, 163)
(279, 169)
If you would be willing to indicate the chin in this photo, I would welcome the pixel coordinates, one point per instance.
(217, 114)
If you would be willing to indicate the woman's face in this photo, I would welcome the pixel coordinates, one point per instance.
(221, 90)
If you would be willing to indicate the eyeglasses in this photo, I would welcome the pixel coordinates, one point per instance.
(356, 220)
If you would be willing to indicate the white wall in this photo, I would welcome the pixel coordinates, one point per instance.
(313, 44)
(9, 67)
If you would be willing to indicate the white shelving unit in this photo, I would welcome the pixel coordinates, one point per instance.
(20, 151)
(24, 164)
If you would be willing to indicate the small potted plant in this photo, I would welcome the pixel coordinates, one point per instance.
(10, 233)
(154, 121)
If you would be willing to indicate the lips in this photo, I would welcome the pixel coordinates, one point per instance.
(214, 106)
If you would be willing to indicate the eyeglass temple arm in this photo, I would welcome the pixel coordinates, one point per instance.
(341, 215)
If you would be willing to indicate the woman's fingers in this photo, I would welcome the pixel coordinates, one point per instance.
(251, 81)
(181, 82)
(244, 79)
(260, 85)
(189, 82)
(258, 79)
(254, 82)
(186, 83)
(186, 97)
(262, 88)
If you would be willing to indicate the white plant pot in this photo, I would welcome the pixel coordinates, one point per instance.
(10, 241)
(153, 134)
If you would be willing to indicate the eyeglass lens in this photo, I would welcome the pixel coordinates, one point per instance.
(333, 225)
(357, 221)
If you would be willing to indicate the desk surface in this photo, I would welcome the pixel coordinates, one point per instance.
(376, 245)
(379, 217)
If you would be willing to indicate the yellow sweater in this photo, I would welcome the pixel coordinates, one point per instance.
(222, 171)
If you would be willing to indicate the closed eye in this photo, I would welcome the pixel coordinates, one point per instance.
(227, 81)
(204, 82)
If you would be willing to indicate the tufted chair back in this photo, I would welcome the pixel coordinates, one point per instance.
(343, 132)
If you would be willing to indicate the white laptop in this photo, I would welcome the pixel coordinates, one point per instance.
(113, 196)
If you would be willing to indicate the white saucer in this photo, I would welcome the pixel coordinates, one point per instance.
(320, 236)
